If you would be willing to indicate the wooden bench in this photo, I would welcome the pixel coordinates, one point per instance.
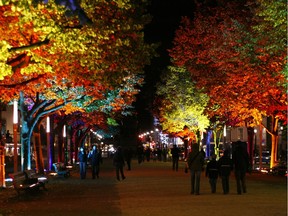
(22, 182)
(61, 170)
(41, 178)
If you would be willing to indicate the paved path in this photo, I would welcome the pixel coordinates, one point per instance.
(150, 189)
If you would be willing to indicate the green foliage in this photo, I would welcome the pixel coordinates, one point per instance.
(271, 17)
(182, 104)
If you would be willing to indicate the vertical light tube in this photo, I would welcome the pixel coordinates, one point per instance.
(15, 127)
(49, 157)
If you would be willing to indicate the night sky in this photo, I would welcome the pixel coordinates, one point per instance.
(166, 19)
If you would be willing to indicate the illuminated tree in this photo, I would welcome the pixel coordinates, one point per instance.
(234, 64)
(44, 50)
(180, 104)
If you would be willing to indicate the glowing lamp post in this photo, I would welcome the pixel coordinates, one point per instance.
(48, 143)
(15, 127)
(225, 135)
(65, 146)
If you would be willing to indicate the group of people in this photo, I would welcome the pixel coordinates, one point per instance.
(195, 163)
(158, 154)
(95, 158)
(221, 168)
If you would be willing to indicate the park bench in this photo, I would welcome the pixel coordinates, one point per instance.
(23, 182)
(61, 170)
(41, 178)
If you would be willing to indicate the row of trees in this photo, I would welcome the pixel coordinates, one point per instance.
(229, 66)
(81, 64)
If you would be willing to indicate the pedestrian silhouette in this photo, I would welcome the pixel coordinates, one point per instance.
(225, 166)
(82, 157)
(119, 163)
(175, 151)
(212, 173)
(95, 158)
(195, 163)
(128, 154)
(241, 166)
(140, 154)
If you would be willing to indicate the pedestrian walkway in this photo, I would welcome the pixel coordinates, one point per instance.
(150, 189)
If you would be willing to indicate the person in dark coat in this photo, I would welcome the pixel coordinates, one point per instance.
(225, 167)
(96, 158)
(241, 166)
(212, 173)
(119, 163)
(195, 163)
(128, 154)
(82, 158)
(175, 151)
(140, 154)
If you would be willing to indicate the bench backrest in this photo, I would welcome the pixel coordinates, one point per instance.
(58, 167)
(30, 173)
(18, 178)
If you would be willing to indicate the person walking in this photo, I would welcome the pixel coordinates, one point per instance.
(175, 151)
(212, 173)
(140, 154)
(96, 158)
(82, 158)
(241, 166)
(119, 163)
(225, 166)
(148, 153)
(128, 154)
(195, 163)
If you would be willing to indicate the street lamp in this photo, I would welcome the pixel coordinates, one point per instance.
(255, 142)
(65, 146)
(48, 143)
(224, 135)
(15, 127)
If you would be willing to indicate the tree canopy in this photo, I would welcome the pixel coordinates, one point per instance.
(236, 53)
(181, 104)
(54, 58)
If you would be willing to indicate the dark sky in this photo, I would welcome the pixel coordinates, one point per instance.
(166, 19)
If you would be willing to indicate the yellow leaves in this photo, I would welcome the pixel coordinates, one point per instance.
(69, 109)
(123, 4)
(5, 69)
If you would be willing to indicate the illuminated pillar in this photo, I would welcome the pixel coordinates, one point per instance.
(260, 146)
(224, 139)
(15, 127)
(49, 157)
(255, 143)
(65, 146)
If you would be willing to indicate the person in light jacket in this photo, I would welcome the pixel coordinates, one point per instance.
(82, 157)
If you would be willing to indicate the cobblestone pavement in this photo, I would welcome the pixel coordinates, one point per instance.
(150, 189)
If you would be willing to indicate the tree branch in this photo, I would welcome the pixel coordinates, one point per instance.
(28, 47)
(13, 85)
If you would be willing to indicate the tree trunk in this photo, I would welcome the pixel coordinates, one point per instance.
(38, 149)
(273, 131)
(250, 144)
(26, 132)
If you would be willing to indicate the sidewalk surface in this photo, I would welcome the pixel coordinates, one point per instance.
(150, 189)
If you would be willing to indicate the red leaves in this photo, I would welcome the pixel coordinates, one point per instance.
(233, 68)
